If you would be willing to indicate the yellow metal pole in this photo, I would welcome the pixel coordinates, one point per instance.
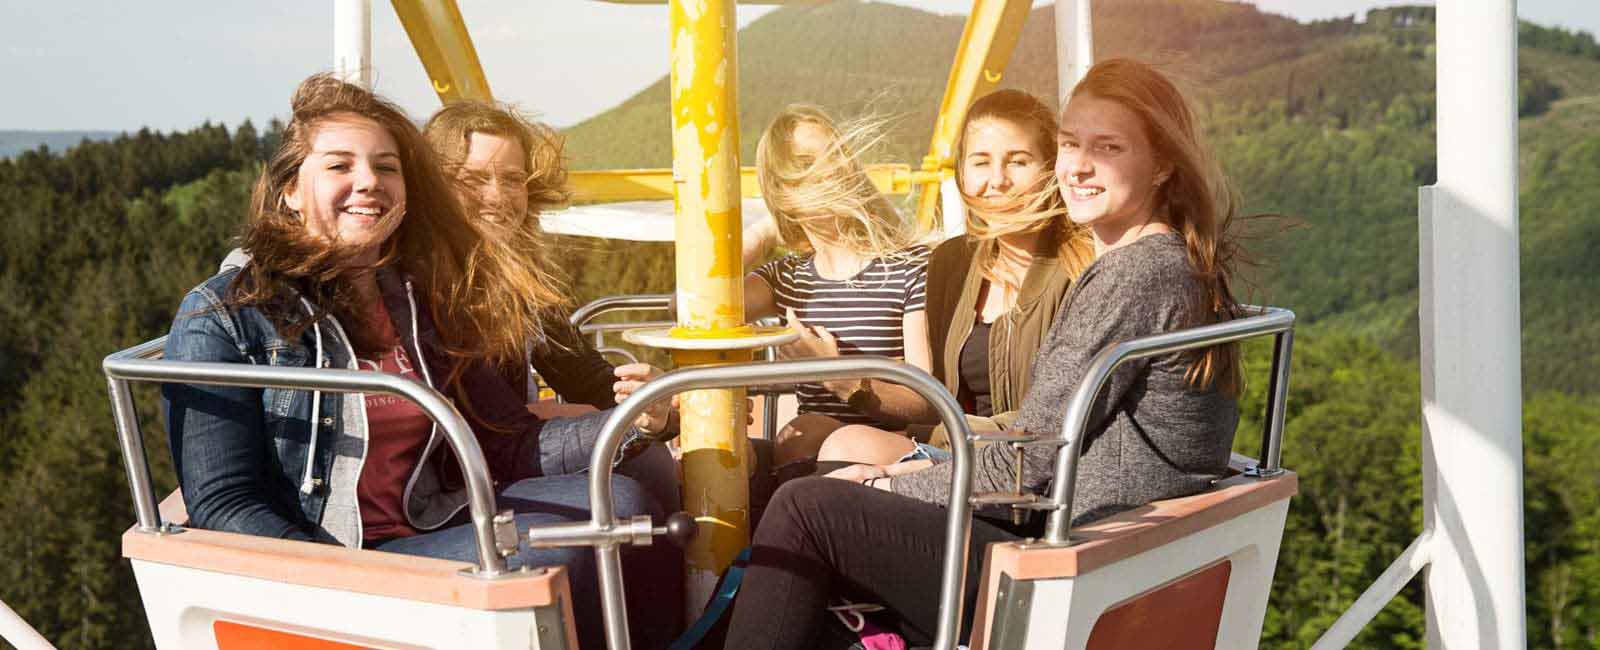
(710, 282)
(440, 38)
(609, 185)
(990, 35)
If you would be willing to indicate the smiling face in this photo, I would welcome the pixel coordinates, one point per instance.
(350, 188)
(998, 158)
(496, 172)
(1108, 169)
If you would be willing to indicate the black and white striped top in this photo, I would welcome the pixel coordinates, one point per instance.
(864, 313)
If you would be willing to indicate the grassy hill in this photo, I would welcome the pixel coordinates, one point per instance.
(1327, 122)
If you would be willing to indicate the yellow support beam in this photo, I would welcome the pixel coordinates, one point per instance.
(611, 185)
(445, 48)
(710, 282)
(990, 35)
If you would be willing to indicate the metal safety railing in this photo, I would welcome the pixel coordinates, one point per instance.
(495, 536)
(1277, 322)
(583, 319)
(605, 534)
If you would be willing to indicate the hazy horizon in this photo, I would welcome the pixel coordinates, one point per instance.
(595, 55)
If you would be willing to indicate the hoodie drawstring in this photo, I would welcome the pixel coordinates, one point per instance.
(306, 484)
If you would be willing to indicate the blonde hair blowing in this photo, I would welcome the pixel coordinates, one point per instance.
(827, 194)
(486, 293)
(1028, 209)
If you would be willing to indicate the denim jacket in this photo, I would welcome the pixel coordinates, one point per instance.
(284, 463)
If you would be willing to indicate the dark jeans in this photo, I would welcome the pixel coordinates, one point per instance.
(823, 538)
(645, 485)
(655, 570)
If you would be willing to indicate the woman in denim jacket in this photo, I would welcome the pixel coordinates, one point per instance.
(362, 259)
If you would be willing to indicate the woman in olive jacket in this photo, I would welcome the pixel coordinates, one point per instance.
(992, 293)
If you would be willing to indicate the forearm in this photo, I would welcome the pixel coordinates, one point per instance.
(994, 469)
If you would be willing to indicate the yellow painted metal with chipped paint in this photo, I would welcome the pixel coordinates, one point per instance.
(610, 185)
(990, 35)
(710, 282)
(440, 38)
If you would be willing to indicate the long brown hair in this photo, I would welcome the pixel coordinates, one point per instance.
(480, 290)
(828, 194)
(543, 148)
(1031, 209)
(1196, 200)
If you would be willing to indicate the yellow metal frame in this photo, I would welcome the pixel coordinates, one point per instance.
(609, 185)
(987, 41)
(441, 40)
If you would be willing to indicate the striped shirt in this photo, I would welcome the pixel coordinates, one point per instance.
(864, 313)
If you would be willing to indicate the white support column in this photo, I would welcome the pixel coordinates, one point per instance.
(1074, 45)
(1470, 320)
(352, 41)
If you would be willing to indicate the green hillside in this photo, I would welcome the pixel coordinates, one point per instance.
(1328, 122)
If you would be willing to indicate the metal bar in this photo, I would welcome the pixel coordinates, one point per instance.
(990, 34)
(640, 302)
(1277, 398)
(352, 41)
(601, 328)
(958, 522)
(1073, 425)
(131, 439)
(440, 37)
(1074, 45)
(19, 633)
(612, 185)
(134, 364)
(709, 272)
(1389, 583)
(1469, 318)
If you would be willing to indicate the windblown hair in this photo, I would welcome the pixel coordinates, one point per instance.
(1196, 200)
(1027, 209)
(484, 293)
(827, 195)
(450, 131)
(543, 148)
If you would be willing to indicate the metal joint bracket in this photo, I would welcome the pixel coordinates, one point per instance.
(505, 533)
(1258, 472)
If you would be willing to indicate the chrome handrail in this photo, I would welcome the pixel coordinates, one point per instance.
(606, 534)
(142, 363)
(636, 302)
(1272, 320)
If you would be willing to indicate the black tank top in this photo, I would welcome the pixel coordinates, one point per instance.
(975, 371)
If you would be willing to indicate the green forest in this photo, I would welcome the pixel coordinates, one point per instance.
(1328, 123)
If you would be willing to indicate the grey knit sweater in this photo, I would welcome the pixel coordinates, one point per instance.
(1150, 435)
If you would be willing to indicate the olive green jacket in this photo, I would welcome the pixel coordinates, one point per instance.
(1014, 338)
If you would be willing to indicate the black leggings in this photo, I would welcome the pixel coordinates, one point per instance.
(821, 538)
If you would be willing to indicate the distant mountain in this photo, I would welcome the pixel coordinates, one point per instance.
(15, 142)
(1328, 122)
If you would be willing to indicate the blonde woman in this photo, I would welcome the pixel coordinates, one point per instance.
(854, 284)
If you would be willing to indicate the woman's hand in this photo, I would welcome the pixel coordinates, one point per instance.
(815, 342)
(872, 475)
(657, 417)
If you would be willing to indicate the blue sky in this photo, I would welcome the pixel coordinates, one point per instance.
(114, 65)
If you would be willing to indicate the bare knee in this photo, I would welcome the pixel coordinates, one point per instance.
(863, 444)
(802, 437)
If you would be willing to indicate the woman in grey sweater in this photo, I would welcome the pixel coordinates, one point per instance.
(1132, 169)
